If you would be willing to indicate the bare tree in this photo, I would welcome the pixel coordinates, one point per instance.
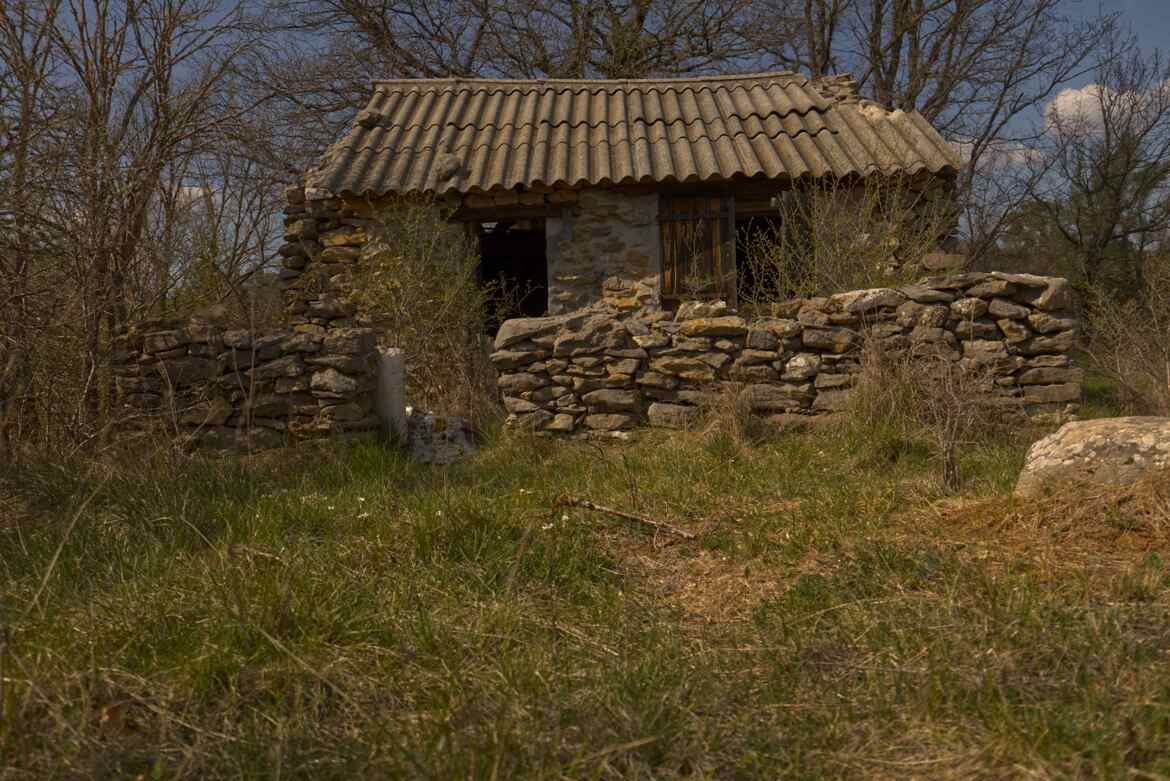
(120, 154)
(321, 55)
(616, 38)
(973, 68)
(145, 77)
(318, 57)
(1106, 182)
(29, 144)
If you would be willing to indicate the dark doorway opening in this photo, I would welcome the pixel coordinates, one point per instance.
(513, 263)
(756, 237)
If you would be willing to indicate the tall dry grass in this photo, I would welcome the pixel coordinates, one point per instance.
(923, 396)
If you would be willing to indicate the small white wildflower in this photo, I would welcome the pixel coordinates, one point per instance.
(547, 526)
(363, 515)
(565, 517)
(361, 498)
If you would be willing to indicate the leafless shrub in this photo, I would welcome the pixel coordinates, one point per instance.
(844, 236)
(420, 285)
(699, 277)
(927, 397)
(1129, 339)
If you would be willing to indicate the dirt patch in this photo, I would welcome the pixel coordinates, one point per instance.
(707, 586)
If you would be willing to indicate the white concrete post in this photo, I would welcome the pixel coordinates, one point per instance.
(390, 392)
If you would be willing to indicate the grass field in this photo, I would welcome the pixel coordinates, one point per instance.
(340, 612)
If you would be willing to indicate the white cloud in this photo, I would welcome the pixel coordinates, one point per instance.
(1082, 111)
(1077, 111)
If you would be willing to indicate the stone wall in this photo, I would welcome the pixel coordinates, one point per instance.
(604, 369)
(324, 238)
(221, 388)
(604, 245)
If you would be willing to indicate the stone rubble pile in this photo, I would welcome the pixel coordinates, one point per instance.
(222, 388)
(605, 369)
(437, 439)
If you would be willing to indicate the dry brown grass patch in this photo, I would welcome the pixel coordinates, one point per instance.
(1074, 527)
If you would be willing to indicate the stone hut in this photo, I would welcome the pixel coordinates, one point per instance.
(584, 189)
(601, 199)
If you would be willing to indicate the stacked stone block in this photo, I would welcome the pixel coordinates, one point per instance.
(324, 237)
(219, 388)
(606, 369)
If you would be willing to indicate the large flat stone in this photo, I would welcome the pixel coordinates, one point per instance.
(609, 421)
(1052, 394)
(1046, 323)
(836, 340)
(1056, 296)
(1111, 452)
(504, 360)
(672, 415)
(1001, 308)
(729, 325)
(522, 328)
(1050, 375)
(782, 327)
(859, 302)
(684, 366)
(515, 384)
(925, 295)
(778, 396)
(332, 381)
(612, 400)
(1057, 343)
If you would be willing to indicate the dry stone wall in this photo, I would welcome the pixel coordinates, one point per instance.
(607, 369)
(324, 238)
(220, 388)
(613, 362)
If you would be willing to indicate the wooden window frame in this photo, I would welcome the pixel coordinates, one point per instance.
(716, 211)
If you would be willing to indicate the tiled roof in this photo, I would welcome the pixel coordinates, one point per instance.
(442, 135)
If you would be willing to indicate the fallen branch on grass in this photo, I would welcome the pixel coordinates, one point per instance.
(568, 500)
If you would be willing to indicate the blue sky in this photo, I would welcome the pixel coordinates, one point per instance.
(1149, 19)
